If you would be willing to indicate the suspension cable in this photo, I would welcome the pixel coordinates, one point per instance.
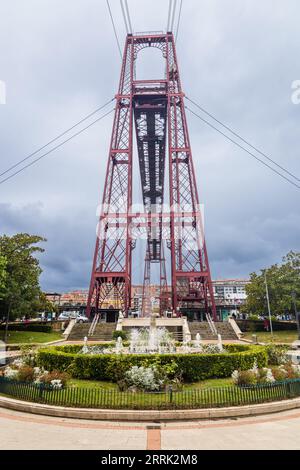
(169, 14)
(56, 147)
(173, 15)
(56, 138)
(114, 27)
(242, 139)
(124, 17)
(243, 148)
(128, 16)
(178, 23)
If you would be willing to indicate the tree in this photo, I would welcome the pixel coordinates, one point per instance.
(282, 280)
(3, 273)
(22, 271)
(42, 304)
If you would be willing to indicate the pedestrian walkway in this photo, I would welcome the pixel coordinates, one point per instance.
(27, 431)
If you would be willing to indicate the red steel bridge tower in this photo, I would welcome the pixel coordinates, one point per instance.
(155, 108)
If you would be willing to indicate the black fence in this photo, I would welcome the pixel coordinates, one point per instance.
(185, 399)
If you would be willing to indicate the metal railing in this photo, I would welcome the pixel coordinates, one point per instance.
(186, 399)
(93, 325)
(211, 324)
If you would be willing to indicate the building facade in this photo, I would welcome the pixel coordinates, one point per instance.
(230, 295)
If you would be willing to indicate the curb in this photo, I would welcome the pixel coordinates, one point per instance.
(149, 415)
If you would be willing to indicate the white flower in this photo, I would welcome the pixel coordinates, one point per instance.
(18, 363)
(10, 373)
(235, 376)
(37, 370)
(255, 368)
(269, 377)
(56, 383)
(296, 369)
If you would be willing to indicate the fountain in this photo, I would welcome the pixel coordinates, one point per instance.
(151, 340)
(220, 344)
(153, 335)
(85, 348)
(119, 345)
(197, 342)
(134, 340)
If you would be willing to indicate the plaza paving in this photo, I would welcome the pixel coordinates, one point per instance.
(28, 431)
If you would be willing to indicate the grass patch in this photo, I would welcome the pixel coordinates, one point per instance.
(92, 384)
(27, 337)
(278, 336)
(210, 383)
(95, 384)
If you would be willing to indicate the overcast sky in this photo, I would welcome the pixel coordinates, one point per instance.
(238, 59)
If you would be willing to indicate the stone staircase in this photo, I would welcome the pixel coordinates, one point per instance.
(102, 332)
(79, 331)
(226, 331)
(203, 329)
(223, 328)
(176, 333)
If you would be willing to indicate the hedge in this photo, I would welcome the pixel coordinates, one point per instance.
(112, 367)
(37, 327)
(258, 325)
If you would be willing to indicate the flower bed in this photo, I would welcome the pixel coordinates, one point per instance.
(24, 370)
(266, 375)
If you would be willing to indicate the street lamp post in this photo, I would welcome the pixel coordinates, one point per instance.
(7, 322)
(297, 314)
(268, 302)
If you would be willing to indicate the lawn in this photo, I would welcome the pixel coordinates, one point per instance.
(92, 384)
(27, 337)
(278, 336)
(210, 383)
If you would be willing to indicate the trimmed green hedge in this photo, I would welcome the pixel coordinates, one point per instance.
(112, 367)
(37, 327)
(258, 325)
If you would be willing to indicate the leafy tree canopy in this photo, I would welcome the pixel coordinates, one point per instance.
(20, 285)
(283, 282)
(3, 264)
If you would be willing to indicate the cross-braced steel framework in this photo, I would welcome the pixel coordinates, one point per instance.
(156, 109)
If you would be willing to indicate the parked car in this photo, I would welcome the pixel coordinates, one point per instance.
(79, 318)
(65, 316)
(82, 319)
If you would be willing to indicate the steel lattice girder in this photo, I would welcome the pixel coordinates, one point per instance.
(150, 120)
(157, 107)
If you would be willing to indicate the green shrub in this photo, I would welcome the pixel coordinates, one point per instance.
(37, 327)
(279, 374)
(55, 375)
(122, 334)
(246, 377)
(26, 374)
(276, 354)
(112, 367)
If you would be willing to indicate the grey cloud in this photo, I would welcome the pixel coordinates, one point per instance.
(238, 59)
